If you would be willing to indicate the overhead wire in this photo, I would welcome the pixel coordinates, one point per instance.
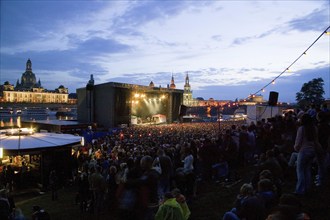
(326, 31)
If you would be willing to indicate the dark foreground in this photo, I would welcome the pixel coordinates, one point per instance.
(212, 201)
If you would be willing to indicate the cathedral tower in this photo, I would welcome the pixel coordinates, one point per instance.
(172, 86)
(187, 93)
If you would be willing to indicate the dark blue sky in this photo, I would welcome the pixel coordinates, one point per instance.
(230, 49)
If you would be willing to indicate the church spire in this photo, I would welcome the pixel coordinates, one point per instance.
(187, 93)
(172, 86)
(187, 80)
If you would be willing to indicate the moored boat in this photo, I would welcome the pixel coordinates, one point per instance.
(6, 112)
(35, 112)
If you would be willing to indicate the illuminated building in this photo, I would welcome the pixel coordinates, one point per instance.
(31, 91)
(187, 94)
(189, 101)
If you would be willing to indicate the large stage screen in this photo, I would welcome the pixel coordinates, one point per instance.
(149, 108)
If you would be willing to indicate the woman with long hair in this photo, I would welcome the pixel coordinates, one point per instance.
(305, 141)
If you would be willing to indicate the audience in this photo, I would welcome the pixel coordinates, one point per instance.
(143, 172)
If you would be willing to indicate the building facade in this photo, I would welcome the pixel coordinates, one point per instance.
(29, 90)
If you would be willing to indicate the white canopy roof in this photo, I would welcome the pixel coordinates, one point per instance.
(37, 140)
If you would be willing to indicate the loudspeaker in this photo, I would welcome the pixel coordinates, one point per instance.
(182, 110)
(273, 97)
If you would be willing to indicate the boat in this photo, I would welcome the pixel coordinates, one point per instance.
(35, 112)
(6, 112)
(66, 112)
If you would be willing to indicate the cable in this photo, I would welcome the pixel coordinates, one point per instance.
(286, 69)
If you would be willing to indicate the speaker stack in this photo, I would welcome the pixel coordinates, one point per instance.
(273, 97)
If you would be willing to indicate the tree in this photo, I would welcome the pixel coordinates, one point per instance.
(311, 93)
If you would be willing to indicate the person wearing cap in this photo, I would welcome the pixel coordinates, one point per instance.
(181, 199)
(170, 209)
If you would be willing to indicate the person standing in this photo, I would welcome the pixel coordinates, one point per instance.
(53, 184)
(98, 187)
(149, 187)
(9, 175)
(165, 164)
(4, 205)
(83, 189)
(324, 140)
(306, 138)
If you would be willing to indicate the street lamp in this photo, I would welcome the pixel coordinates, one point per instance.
(219, 118)
(19, 141)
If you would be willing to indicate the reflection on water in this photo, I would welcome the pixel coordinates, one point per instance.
(16, 121)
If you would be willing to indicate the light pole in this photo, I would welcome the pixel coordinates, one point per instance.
(219, 118)
(1, 155)
(19, 141)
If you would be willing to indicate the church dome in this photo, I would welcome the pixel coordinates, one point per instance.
(28, 79)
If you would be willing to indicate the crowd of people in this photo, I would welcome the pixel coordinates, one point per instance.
(151, 172)
(136, 170)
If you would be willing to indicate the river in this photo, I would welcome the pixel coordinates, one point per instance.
(8, 122)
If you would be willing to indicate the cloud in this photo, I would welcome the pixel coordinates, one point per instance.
(216, 37)
(220, 44)
(317, 20)
(96, 45)
(145, 11)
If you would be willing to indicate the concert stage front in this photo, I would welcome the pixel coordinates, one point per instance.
(115, 104)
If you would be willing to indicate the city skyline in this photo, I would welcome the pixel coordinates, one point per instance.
(230, 49)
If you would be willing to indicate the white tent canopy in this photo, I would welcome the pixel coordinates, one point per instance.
(37, 140)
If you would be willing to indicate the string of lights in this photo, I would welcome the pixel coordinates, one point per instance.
(326, 31)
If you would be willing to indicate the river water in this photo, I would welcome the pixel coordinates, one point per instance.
(8, 122)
